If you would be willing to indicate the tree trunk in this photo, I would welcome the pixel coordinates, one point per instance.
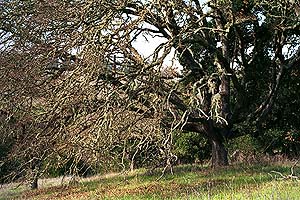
(34, 183)
(215, 137)
(35, 174)
(219, 154)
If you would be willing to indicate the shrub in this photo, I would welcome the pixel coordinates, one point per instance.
(191, 147)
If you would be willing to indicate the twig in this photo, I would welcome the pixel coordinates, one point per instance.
(291, 176)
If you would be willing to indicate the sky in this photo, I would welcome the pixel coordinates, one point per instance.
(147, 47)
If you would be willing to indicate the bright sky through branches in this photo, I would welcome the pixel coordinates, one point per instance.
(146, 45)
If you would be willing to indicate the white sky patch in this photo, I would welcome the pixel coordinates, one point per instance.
(286, 49)
(249, 50)
(172, 61)
(289, 50)
(261, 18)
(146, 46)
(204, 4)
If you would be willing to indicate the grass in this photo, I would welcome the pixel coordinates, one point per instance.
(188, 182)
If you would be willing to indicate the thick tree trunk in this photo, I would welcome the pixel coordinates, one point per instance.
(219, 154)
(218, 151)
(215, 137)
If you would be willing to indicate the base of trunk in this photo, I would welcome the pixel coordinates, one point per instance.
(35, 176)
(34, 183)
(219, 154)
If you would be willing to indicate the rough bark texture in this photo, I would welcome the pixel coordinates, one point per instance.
(219, 154)
(34, 183)
(35, 175)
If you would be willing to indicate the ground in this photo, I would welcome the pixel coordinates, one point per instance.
(243, 181)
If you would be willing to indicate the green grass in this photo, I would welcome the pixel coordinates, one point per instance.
(188, 182)
(11, 193)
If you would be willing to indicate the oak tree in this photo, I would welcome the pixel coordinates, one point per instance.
(232, 58)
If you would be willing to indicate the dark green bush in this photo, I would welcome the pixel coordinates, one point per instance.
(281, 141)
(245, 144)
(191, 147)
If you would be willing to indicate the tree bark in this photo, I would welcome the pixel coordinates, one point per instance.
(34, 183)
(35, 174)
(219, 154)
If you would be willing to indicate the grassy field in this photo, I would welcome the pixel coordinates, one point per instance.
(187, 182)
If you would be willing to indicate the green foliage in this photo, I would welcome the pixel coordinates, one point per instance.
(281, 141)
(6, 167)
(273, 141)
(245, 144)
(71, 167)
(191, 147)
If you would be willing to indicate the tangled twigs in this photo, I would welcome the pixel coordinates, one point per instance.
(291, 176)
